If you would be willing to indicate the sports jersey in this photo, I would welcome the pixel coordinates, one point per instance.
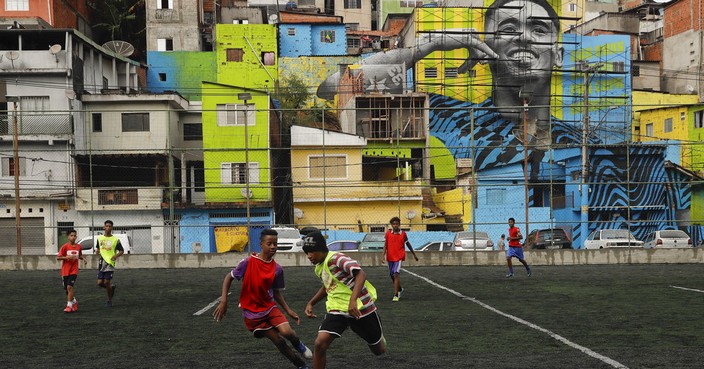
(395, 245)
(513, 232)
(70, 267)
(338, 280)
(108, 247)
(259, 280)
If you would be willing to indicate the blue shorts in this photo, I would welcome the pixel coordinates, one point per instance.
(105, 275)
(515, 252)
(394, 267)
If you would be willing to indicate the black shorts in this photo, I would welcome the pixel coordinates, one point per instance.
(367, 327)
(69, 280)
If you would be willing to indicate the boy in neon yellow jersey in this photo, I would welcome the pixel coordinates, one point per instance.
(350, 299)
(110, 250)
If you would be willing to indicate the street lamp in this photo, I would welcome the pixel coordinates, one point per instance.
(245, 96)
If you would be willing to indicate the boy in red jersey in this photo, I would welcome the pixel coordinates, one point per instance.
(69, 254)
(515, 250)
(262, 282)
(394, 253)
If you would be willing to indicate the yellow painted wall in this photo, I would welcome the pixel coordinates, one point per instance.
(644, 100)
(300, 156)
(346, 215)
(454, 202)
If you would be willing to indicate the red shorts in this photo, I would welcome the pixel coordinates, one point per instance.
(274, 319)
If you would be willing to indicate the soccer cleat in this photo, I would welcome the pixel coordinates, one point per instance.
(509, 275)
(530, 272)
(75, 306)
(108, 304)
(303, 367)
(307, 353)
(395, 299)
(400, 293)
(68, 309)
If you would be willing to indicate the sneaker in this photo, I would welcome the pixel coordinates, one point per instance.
(68, 309)
(303, 367)
(108, 304)
(395, 299)
(75, 306)
(400, 292)
(530, 272)
(509, 275)
(307, 353)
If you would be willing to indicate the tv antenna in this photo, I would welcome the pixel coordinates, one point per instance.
(123, 48)
(12, 55)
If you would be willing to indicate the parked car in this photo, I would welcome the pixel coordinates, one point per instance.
(436, 246)
(472, 241)
(88, 243)
(551, 238)
(373, 241)
(289, 239)
(611, 238)
(668, 238)
(344, 245)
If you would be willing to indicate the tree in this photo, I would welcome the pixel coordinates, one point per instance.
(293, 95)
(123, 20)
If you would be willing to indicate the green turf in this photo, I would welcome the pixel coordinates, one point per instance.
(627, 313)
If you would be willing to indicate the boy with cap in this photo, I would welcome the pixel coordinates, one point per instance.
(350, 299)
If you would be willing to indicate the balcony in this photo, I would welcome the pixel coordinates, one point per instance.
(119, 198)
(318, 191)
(35, 124)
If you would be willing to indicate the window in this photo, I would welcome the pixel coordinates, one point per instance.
(353, 4)
(234, 55)
(354, 43)
(269, 58)
(97, 122)
(9, 167)
(472, 73)
(164, 4)
(431, 73)
(668, 125)
(192, 132)
(683, 116)
(327, 36)
(17, 5)
(635, 71)
(164, 44)
(619, 66)
(135, 122)
(450, 72)
(240, 21)
(234, 114)
(162, 77)
(236, 173)
(291, 31)
(333, 166)
(34, 104)
(649, 130)
(699, 119)
(495, 196)
(198, 168)
(411, 3)
(572, 8)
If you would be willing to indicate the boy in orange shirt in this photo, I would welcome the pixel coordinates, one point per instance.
(69, 254)
(394, 253)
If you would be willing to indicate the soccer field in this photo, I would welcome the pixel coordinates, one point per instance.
(634, 316)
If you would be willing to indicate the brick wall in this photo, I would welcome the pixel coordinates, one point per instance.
(682, 16)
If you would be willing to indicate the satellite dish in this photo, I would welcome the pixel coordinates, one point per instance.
(410, 214)
(54, 49)
(246, 194)
(690, 88)
(12, 55)
(298, 213)
(273, 19)
(123, 48)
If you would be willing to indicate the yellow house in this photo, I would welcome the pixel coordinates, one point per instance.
(330, 190)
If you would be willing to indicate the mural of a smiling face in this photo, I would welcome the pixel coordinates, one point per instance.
(524, 33)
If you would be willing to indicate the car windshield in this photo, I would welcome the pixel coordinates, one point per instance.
(374, 237)
(549, 234)
(472, 235)
(610, 234)
(673, 234)
(288, 233)
(342, 246)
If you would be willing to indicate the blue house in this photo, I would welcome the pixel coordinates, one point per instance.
(302, 34)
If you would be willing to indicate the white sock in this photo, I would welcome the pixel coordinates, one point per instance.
(69, 304)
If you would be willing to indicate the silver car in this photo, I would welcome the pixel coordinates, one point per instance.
(472, 241)
(611, 238)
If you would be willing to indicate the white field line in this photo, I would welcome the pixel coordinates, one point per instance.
(688, 289)
(556, 336)
(209, 306)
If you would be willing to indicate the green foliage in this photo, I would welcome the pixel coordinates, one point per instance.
(294, 95)
(123, 20)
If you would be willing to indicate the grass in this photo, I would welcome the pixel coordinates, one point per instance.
(629, 314)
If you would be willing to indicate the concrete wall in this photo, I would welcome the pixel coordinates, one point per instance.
(470, 258)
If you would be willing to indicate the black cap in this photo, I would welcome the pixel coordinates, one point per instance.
(314, 241)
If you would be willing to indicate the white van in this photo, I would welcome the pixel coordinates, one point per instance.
(88, 243)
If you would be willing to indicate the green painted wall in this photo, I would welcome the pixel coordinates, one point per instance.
(253, 40)
(218, 139)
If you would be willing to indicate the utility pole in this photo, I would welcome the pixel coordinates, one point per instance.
(16, 172)
(525, 157)
(588, 71)
(246, 96)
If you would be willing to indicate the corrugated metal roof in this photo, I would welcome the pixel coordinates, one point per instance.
(296, 17)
